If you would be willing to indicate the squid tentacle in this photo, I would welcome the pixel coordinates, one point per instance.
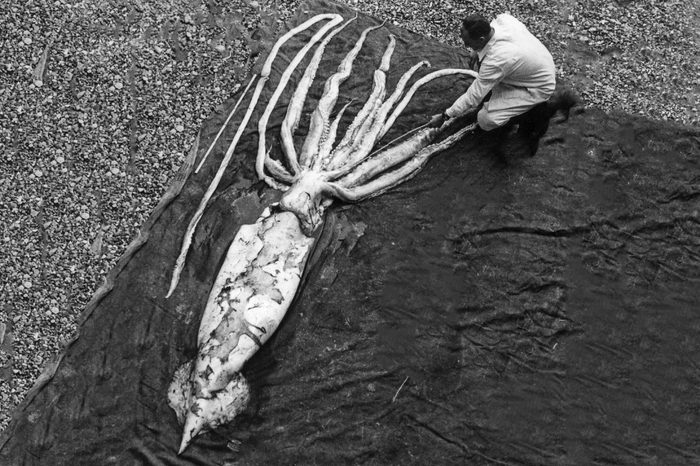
(264, 77)
(284, 79)
(360, 122)
(327, 144)
(278, 172)
(380, 80)
(400, 87)
(365, 117)
(364, 149)
(388, 158)
(342, 162)
(403, 82)
(194, 221)
(382, 124)
(330, 95)
(407, 171)
(360, 117)
(296, 103)
(324, 135)
(221, 130)
(424, 80)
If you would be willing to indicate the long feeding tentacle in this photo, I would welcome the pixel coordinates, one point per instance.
(218, 135)
(187, 240)
(284, 79)
(296, 103)
(321, 115)
(264, 76)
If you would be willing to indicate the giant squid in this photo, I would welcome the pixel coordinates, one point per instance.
(264, 264)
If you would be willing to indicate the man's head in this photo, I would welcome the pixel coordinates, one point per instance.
(475, 31)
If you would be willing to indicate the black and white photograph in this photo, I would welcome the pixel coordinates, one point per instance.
(362, 232)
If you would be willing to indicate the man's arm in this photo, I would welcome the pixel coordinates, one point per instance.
(490, 74)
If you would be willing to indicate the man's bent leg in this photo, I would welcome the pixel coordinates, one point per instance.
(495, 132)
(511, 104)
(489, 120)
(533, 124)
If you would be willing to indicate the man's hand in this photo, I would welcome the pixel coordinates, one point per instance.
(438, 120)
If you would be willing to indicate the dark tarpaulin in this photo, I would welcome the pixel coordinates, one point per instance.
(541, 312)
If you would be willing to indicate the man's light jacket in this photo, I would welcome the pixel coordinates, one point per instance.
(515, 65)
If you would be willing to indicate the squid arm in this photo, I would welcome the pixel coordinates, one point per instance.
(284, 79)
(367, 115)
(278, 172)
(327, 143)
(367, 141)
(388, 158)
(358, 124)
(405, 172)
(264, 76)
(321, 116)
(424, 80)
(379, 88)
(296, 103)
(346, 167)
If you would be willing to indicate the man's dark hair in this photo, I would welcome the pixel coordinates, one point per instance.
(476, 26)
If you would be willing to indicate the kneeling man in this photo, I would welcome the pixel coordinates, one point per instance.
(515, 82)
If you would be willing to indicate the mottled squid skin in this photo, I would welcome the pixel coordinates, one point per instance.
(200, 414)
(251, 295)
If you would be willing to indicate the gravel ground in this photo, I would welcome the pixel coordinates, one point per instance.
(101, 100)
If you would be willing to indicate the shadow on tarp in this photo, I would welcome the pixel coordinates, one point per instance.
(541, 312)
